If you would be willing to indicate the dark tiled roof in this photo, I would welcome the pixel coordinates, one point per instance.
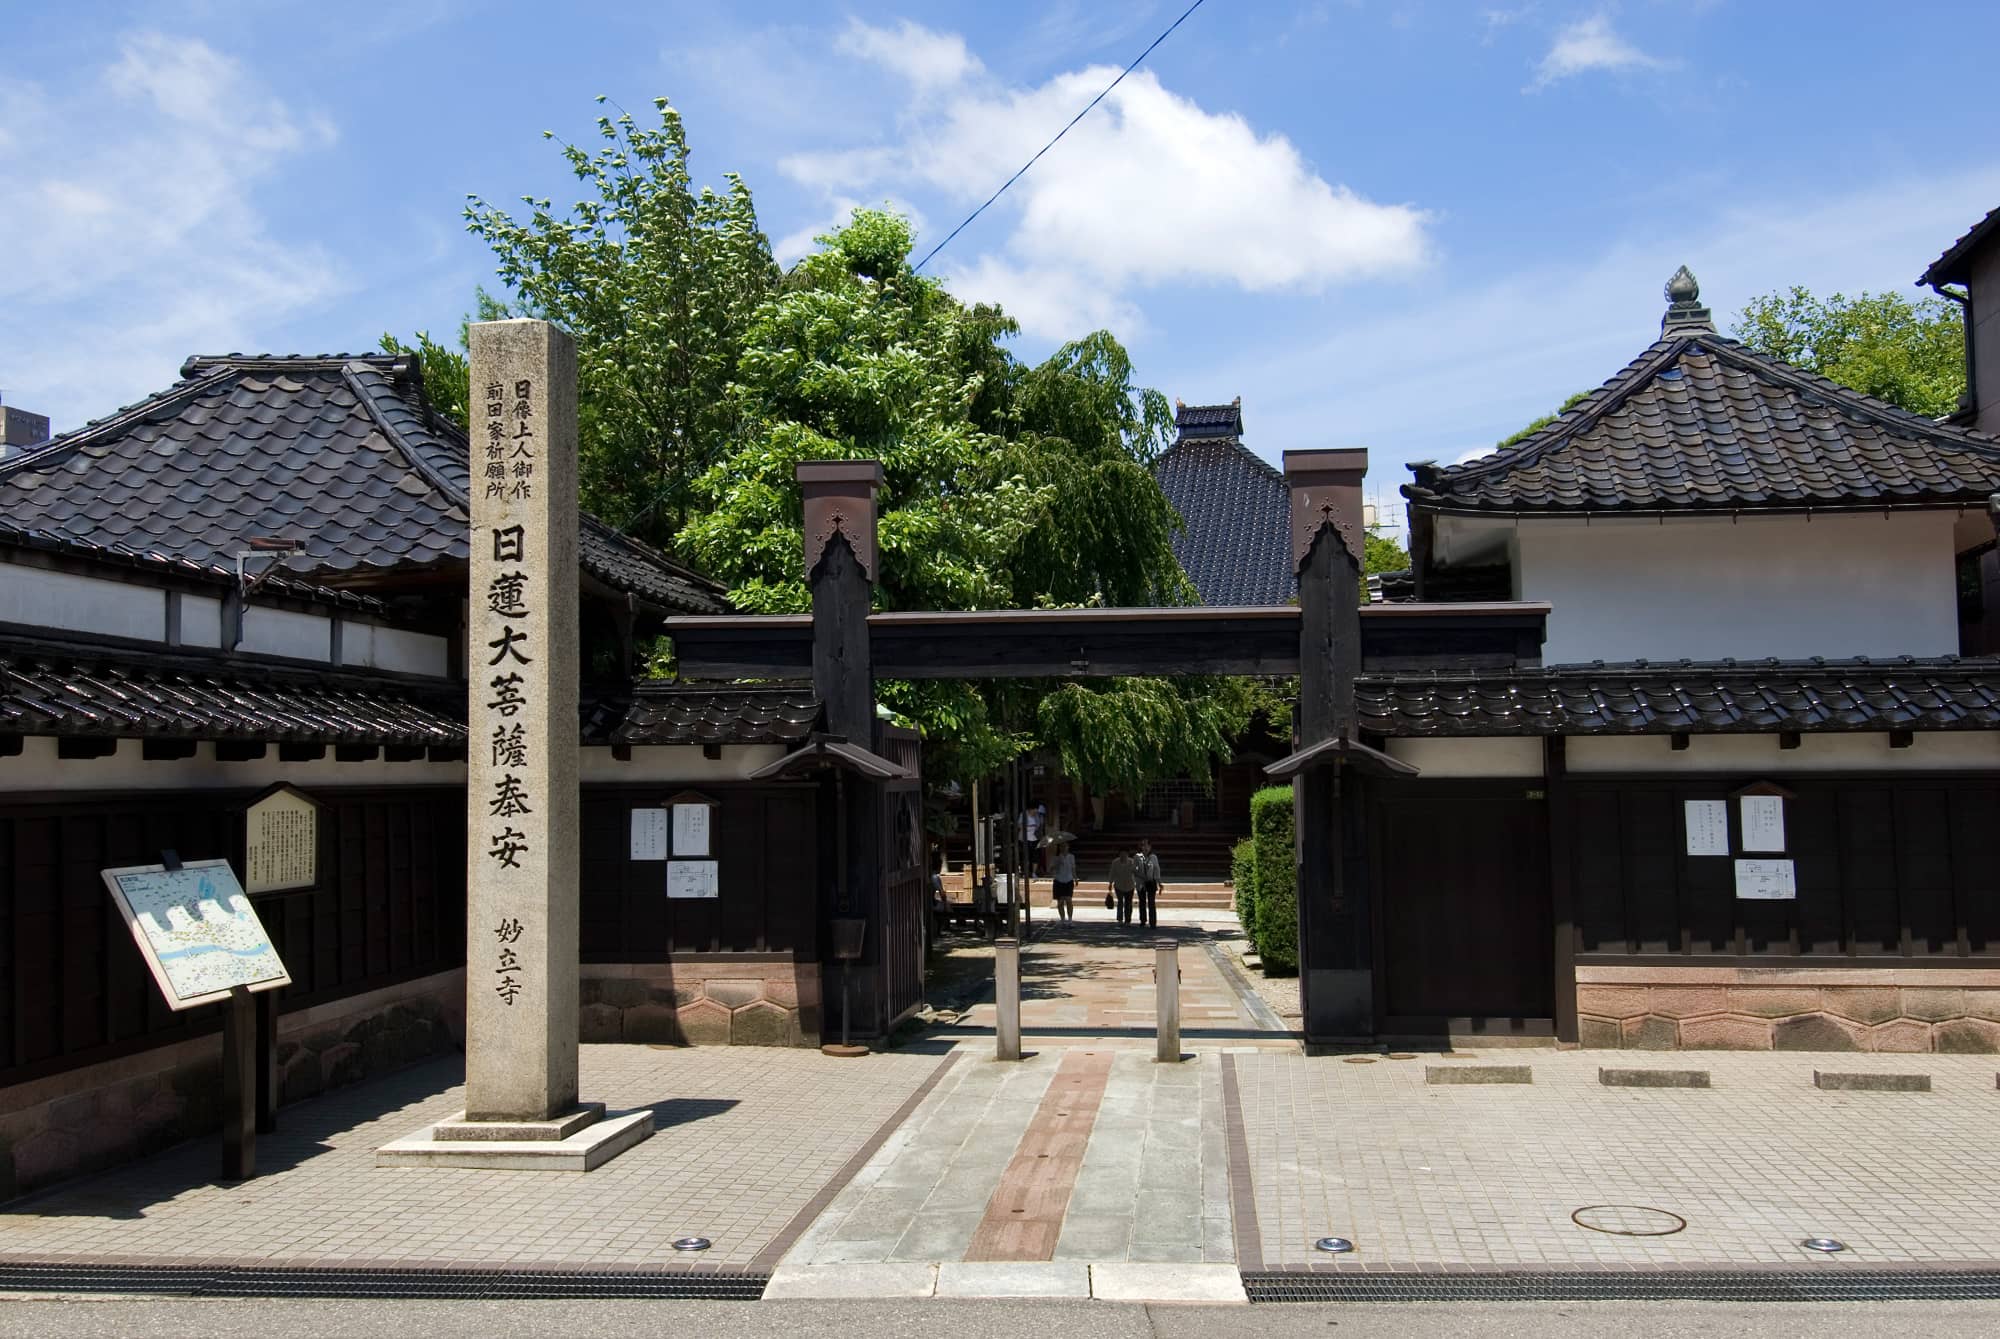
(1236, 544)
(336, 451)
(1699, 422)
(1208, 420)
(1725, 697)
(47, 690)
(718, 716)
(1952, 267)
(60, 688)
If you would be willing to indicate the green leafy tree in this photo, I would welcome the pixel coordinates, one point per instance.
(1006, 486)
(1911, 354)
(657, 282)
(1531, 429)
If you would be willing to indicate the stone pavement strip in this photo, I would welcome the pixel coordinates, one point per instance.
(1453, 1178)
(748, 1138)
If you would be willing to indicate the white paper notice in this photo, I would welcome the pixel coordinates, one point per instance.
(692, 878)
(1707, 827)
(691, 830)
(1766, 880)
(1763, 823)
(649, 834)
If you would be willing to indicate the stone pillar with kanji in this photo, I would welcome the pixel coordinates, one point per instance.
(521, 774)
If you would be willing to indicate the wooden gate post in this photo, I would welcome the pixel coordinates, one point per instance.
(840, 513)
(1336, 978)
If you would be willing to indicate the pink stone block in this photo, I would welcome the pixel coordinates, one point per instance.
(1650, 1033)
(735, 993)
(1611, 1001)
(1933, 1003)
(1773, 1001)
(1983, 1004)
(705, 1023)
(1726, 1032)
(1967, 1036)
(1686, 1001)
(782, 991)
(1864, 1004)
(1900, 1034)
(46, 1157)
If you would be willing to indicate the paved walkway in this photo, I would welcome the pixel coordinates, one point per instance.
(1483, 1177)
(1090, 981)
(748, 1136)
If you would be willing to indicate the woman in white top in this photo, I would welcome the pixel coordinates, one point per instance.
(1063, 871)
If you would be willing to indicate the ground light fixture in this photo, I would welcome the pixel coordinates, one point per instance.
(692, 1243)
(1334, 1245)
(1825, 1245)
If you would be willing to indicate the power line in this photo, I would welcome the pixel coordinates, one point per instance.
(1059, 134)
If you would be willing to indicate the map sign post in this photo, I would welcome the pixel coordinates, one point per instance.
(201, 939)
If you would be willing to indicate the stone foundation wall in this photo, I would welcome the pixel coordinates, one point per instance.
(1789, 1009)
(86, 1119)
(745, 1002)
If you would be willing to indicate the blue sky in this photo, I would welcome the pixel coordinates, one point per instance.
(1400, 225)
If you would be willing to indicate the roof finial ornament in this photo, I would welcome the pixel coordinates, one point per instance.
(1684, 310)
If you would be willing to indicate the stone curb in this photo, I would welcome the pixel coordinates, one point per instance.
(1654, 1078)
(1833, 1081)
(1457, 1074)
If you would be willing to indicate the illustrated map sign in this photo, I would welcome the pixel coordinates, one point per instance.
(1707, 827)
(649, 834)
(196, 929)
(281, 842)
(1766, 880)
(692, 878)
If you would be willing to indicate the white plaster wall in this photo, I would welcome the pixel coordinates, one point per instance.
(45, 599)
(677, 762)
(1968, 750)
(1786, 586)
(36, 768)
(371, 646)
(281, 632)
(1439, 758)
(201, 621)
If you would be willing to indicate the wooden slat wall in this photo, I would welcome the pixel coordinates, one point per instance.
(766, 839)
(390, 906)
(1886, 868)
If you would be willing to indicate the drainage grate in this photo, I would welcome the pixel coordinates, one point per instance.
(451, 1284)
(1817, 1284)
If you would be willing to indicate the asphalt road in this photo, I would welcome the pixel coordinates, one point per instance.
(141, 1318)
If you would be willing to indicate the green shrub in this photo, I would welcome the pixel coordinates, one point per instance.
(1243, 873)
(1277, 895)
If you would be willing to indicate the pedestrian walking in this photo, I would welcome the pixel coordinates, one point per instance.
(1124, 882)
(1063, 871)
(1147, 871)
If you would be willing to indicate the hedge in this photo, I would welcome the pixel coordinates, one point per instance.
(1243, 873)
(1277, 896)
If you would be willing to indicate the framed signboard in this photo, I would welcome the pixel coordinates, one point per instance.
(196, 930)
(281, 841)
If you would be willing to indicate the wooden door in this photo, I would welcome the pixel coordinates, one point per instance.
(1461, 890)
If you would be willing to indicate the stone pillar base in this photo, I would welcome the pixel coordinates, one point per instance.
(592, 1139)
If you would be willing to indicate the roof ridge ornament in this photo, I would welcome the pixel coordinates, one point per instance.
(1684, 310)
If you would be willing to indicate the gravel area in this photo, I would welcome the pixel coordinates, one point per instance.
(1281, 993)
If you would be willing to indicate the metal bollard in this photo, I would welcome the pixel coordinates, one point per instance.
(1167, 999)
(1007, 999)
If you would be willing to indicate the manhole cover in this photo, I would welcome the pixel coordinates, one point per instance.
(1359, 1059)
(1628, 1220)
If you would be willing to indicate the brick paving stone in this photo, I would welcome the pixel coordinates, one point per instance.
(1487, 1177)
(747, 1137)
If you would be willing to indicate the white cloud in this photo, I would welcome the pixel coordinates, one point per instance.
(135, 236)
(927, 59)
(1590, 44)
(1049, 303)
(1149, 189)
